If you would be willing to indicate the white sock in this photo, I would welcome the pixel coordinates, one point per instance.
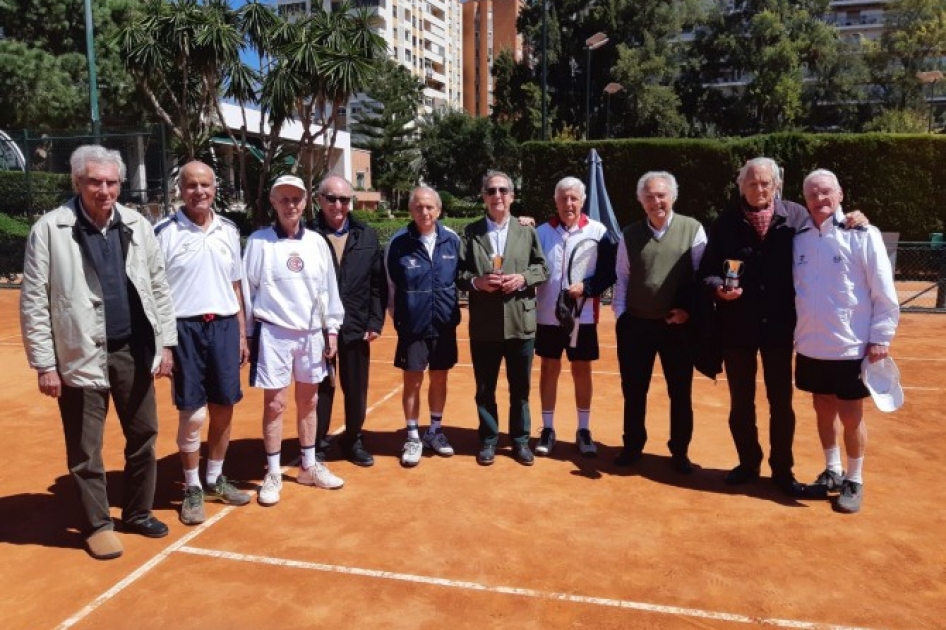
(192, 477)
(832, 457)
(308, 456)
(548, 419)
(272, 462)
(214, 468)
(435, 420)
(584, 417)
(412, 433)
(855, 469)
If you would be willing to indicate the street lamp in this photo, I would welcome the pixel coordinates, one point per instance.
(609, 89)
(93, 80)
(931, 77)
(592, 43)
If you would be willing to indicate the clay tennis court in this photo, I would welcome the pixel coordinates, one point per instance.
(567, 543)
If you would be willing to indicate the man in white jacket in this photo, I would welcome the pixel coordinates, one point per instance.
(97, 322)
(847, 309)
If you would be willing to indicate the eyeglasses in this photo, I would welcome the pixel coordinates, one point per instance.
(501, 190)
(333, 198)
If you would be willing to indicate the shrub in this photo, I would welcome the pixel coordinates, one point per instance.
(23, 194)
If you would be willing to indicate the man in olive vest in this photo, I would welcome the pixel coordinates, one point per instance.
(653, 298)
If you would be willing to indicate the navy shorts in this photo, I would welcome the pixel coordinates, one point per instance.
(550, 341)
(841, 378)
(437, 353)
(207, 362)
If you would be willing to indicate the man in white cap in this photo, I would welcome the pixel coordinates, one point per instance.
(847, 310)
(292, 302)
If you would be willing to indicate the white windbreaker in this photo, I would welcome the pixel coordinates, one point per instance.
(844, 290)
(557, 250)
(290, 282)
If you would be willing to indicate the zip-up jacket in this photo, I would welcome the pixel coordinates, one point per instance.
(422, 290)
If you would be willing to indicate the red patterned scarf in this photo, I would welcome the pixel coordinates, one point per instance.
(759, 218)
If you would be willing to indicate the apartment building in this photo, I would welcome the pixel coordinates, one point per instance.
(489, 26)
(424, 36)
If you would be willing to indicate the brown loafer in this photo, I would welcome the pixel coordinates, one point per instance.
(104, 545)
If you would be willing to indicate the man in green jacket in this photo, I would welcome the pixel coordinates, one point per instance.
(501, 264)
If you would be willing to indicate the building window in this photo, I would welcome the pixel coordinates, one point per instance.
(360, 180)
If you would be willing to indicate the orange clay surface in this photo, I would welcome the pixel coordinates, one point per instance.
(568, 543)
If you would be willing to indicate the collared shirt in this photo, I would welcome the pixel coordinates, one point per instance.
(201, 265)
(85, 213)
(557, 243)
(844, 290)
(497, 234)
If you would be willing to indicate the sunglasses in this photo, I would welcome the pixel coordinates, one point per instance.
(501, 191)
(333, 198)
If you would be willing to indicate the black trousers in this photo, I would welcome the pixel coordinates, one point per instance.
(487, 357)
(741, 367)
(83, 414)
(639, 342)
(353, 361)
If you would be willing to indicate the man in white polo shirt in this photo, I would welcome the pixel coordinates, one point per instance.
(202, 256)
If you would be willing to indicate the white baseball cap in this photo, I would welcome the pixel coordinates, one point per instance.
(289, 180)
(882, 379)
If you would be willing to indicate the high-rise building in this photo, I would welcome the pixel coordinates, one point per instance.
(489, 26)
(424, 36)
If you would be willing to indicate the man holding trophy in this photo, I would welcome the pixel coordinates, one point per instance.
(747, 268)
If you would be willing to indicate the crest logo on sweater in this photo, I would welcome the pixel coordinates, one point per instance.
(412, 263)
(295, 262)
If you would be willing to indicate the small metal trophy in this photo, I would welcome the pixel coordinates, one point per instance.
(733, 270)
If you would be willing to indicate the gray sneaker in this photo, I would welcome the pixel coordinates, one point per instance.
(546, 442)
(586, 446)
(226, 492)
(437, 442)
(849, 501)
(829, 480)
(192, 508)
(410, 454)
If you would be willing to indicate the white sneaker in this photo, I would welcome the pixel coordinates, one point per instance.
(269, 492)
(319, 476)
(438, 443)
(410, 454)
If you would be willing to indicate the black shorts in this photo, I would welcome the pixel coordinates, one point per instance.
(550, 341)
(436, 353)
(207, 362)
(841, 378)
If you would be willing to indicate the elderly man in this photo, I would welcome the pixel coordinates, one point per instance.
(559, 238)
(291, 298)
(653, 298)
(755, 316)
(97, 320)
(421, 263)
(202, 257)
(847, 310)
(357, 257)
(501, 264)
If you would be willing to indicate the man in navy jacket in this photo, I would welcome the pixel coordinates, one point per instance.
(421, 263)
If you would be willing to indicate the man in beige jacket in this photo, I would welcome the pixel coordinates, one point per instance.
(97, 320)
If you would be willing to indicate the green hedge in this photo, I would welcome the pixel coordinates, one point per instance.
(894, 179)
(33, 192)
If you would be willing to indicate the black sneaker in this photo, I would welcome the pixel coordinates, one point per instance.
(149, 527)
(793, 488)
(681, 464)
(586, 445)
(358, 456)
(741, 475)
(546, 442)
(849, 501)
(830, 481)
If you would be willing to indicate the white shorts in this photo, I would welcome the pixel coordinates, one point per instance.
(286, 354)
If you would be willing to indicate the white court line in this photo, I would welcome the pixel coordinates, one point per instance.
(142, 570)
(155, 561)
(510, 590)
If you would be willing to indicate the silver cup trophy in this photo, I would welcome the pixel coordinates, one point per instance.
(733, 271)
